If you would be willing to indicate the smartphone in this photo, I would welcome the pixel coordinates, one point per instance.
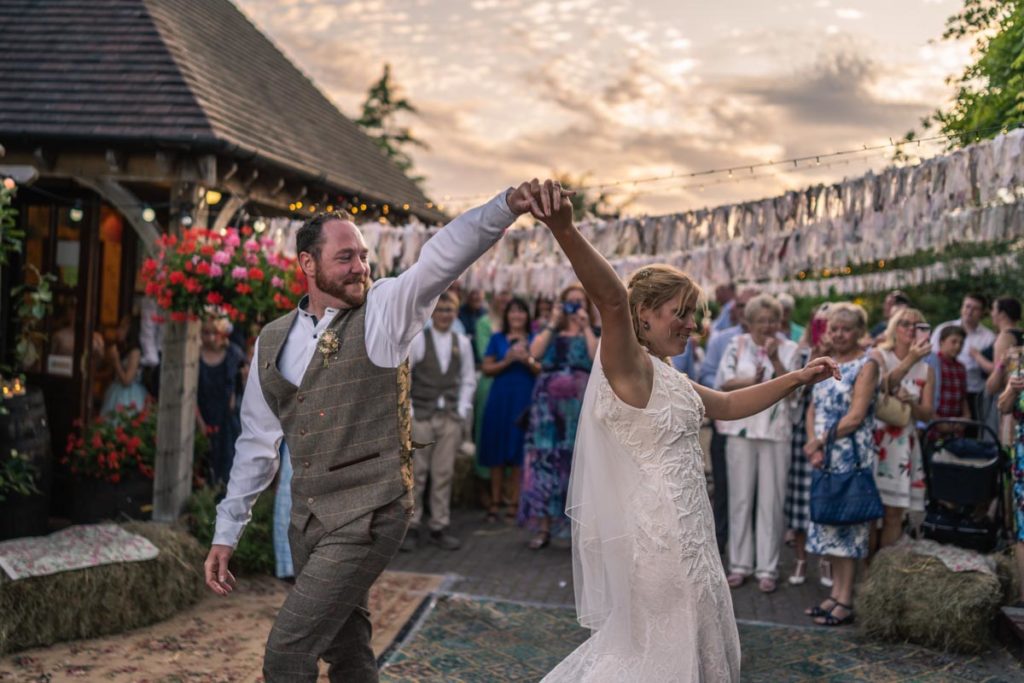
(1015, 360)
(818, 328)
(571, 307)
(923, 332)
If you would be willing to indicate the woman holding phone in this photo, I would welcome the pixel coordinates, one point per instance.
(565, 348)
(905, 375)
(508, 360)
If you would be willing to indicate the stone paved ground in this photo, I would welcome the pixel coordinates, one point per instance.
(495, 562)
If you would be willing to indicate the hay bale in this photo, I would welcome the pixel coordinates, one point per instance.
(1006, 570)
(110, 598)
(914, 598)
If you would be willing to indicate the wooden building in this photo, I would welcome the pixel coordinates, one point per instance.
(128, 113)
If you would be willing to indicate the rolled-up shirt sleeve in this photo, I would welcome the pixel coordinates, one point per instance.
(398, 308)
(256, 460)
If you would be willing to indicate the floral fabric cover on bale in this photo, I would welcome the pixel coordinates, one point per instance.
(76, 547)
(235, 274)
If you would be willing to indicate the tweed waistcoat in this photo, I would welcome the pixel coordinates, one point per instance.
(428, 382)
(347, 424)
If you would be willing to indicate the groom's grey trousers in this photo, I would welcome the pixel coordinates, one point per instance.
(325, 614)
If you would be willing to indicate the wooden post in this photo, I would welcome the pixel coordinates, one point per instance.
(179, 380)
(176, 421)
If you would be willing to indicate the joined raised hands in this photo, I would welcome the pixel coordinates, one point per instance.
(547, 201)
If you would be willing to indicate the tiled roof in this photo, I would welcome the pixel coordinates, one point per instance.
(178, 72)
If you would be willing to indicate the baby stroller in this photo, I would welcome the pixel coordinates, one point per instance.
(963, 476)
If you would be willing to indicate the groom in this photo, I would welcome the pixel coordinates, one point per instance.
(331, 381)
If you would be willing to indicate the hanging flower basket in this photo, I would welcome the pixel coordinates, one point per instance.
(234, 274)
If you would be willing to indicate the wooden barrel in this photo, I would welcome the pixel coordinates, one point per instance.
(26, 430)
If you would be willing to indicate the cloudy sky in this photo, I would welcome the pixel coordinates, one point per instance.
(632, 89)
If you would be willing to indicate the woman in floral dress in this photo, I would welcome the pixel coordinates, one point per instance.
(566, 350)
(1011, 402)
(849, 405)
(900, 473)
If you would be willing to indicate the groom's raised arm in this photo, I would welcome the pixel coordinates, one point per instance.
(398, 308)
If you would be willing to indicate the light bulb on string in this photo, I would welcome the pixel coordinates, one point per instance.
(148, 214)
(75, 213)
(186, 219)
(259, 225)
(213, 197)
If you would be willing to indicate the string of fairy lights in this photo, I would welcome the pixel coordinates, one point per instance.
(395, 212)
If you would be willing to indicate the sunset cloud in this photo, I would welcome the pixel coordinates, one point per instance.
(618, 89)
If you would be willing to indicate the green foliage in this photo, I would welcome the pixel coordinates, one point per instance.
(11, 238)
(255, 551)
(382, 106)
(17, 475)
(938, 301)
(34, 303)
(990, 91)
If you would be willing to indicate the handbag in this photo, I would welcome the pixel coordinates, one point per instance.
(890, 409)
(842, 498)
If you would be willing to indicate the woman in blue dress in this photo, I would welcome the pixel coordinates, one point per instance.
(507, 359)
(126, 391)
(848, 404)
(566, 348)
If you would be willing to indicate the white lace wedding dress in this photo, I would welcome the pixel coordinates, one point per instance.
(649, 582)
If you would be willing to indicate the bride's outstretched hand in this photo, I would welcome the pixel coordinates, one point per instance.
(818, 370)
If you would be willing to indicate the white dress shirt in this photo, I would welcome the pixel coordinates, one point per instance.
(981, 338)
(396, 311)
(443, 349)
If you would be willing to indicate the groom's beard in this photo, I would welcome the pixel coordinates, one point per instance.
(342, 289)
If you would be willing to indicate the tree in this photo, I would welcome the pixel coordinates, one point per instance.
(382, 106)
(592, 202)
(990, 91)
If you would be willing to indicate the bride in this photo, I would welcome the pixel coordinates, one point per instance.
(648, 579)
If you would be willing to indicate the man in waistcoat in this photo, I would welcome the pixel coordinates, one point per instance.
(330, 379)
(443, 381)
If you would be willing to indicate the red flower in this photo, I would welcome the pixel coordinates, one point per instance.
(207, 250)
(188, 266)
(297, 289)
(243, 288)
(203, 268)
(246, 230)
(214, 299)
(192, 285)
(177, 277)
(255, 273)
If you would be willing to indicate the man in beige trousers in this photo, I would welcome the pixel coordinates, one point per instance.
(443, 382)
(331, 380)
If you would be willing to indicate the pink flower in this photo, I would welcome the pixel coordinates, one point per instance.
(266, 241)
(232, 239)
(222, 257)
(276, 282)
(216, 271)
(252, 259)
(9, 183)
(239, 272)
(252, 245)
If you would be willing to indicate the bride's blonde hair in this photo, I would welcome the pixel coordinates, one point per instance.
(653, 286)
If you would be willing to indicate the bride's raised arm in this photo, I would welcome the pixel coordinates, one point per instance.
(626, 365)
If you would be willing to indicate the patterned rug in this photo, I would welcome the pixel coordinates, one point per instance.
(462, 640)
(218, 640)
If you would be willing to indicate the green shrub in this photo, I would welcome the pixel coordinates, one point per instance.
(255, 551)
